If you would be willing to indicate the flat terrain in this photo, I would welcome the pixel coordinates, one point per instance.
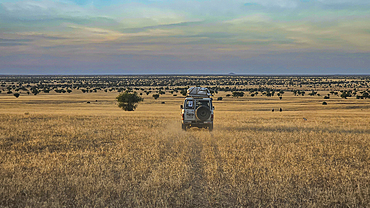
(57, 150)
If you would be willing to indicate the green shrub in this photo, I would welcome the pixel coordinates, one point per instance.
(238, 94)
(156, 96)
(183, 92)
(128, 101)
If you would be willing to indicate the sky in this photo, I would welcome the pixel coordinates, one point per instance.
(184, 37)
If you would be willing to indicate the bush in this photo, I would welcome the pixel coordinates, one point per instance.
(238, 94)
(365, 95)
(324, 103)
(219, 98)
(183, 92)
(312, 93)
(156, 96)
(16, 95)
(128, 101)
(345, 94)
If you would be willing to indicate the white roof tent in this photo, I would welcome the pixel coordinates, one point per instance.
(200, 92)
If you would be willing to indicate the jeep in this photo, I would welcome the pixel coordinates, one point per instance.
(197, 110)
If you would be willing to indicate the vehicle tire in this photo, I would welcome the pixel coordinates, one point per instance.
(184, 127)
(203, 113)
(210, 127)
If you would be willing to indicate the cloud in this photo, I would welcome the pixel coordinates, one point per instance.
(49, 15)
(14, 40)
(364, 2)
(272, 63)
(255, 18)
(7, 42)
(198, 32)
(275, 3)
(37, 10)
(11, 44)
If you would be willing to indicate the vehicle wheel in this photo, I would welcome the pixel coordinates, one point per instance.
(184, 127)
(203, 113)
(210, 127)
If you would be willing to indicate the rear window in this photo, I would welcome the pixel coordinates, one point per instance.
(203, 103)
(189, 104)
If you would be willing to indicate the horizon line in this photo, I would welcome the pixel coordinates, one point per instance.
(190, 74)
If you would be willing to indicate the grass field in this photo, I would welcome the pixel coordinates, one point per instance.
(57, 150)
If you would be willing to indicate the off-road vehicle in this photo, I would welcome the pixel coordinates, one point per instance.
(197, 110)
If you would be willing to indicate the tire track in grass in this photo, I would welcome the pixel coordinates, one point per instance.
(216, 153)
(227, 198)
(197, 181)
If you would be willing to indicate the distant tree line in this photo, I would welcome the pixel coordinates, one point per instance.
(343, 86)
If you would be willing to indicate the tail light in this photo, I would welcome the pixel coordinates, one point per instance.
(182, 116)
(212, 117)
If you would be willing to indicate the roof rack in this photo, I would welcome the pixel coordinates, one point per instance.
(200, 92)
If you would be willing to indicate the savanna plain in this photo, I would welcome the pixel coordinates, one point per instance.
(80, 150)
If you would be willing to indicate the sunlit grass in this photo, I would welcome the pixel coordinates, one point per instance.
(77, 154)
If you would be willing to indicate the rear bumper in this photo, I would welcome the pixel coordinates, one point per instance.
(197, 123)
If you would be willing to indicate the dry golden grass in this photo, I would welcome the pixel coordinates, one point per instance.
(68, 153)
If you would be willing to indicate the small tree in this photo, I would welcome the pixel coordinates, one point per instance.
(16, 95)
(345, 94)
(366, 95)
(127, 101)
(156, 96)
(183, 92)
(238, 94)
